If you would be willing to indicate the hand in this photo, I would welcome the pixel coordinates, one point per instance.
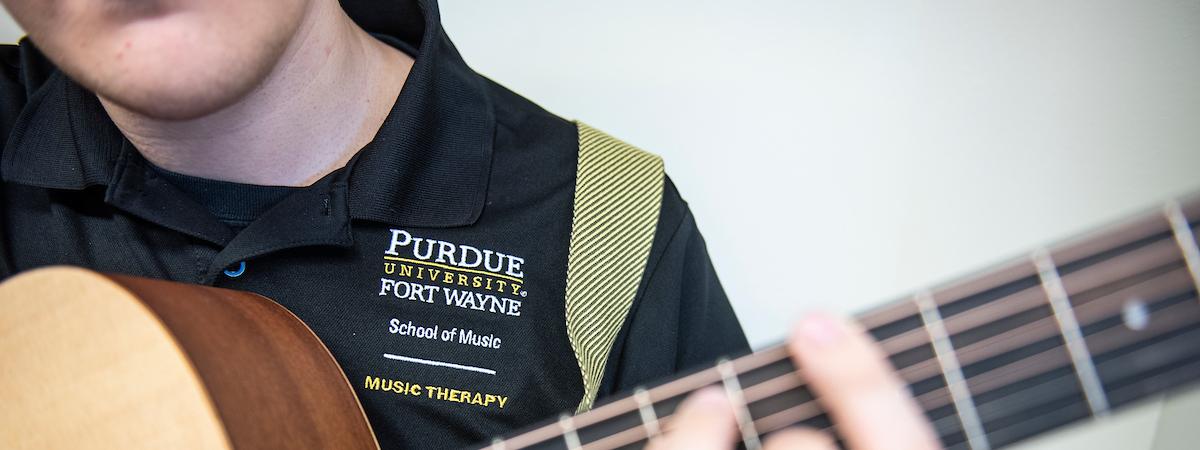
(853, 382)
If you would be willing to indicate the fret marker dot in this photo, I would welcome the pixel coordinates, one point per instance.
(1135, 314)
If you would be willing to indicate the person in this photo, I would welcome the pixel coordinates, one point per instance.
(341, 159)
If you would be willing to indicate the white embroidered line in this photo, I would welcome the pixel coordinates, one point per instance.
(1093, 390)
(569, 434)
(498, 444)
(430, 362)
(733, 389)
(1185, 239)
(646, 410)
(943, 349)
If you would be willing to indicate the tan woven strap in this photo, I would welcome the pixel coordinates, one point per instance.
(618, 194)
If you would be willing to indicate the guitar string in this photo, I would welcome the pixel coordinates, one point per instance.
(810, 409)
(787, 417)
(792, 380)
(762, 363)
(796, 414)
(1110, 240)
(1061, 361)
(766, 424)
(1030, 332)
(789, 381)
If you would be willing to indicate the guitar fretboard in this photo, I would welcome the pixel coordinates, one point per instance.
(1063, 334)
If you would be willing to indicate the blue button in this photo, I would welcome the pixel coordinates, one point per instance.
(236, 273)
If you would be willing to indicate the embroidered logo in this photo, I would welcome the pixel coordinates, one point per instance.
(425, 272)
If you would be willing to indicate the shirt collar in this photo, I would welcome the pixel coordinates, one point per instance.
(428, 166)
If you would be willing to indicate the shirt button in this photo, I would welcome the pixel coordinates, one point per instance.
(236, 272)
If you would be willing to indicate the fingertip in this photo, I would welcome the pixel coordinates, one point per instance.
(819, 336)
(856, 383)
(799, 438)
(818, 330)
(822, 330)
(706, 398)
(704, 420)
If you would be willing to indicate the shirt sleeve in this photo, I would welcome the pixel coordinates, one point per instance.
(681, 319)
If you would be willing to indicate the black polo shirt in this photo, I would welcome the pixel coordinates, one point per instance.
(433, 265)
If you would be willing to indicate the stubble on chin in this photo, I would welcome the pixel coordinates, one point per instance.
(181, 84)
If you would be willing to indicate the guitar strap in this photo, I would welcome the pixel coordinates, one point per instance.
(618, 194)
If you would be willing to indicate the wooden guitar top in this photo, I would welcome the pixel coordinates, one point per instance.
(96, 361)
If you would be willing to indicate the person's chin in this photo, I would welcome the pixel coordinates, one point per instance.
(174, 91)
(171, 103)
(176, 79)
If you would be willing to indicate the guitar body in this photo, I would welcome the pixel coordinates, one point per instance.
(105, 361)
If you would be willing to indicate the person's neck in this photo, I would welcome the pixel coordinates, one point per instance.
(325, 99)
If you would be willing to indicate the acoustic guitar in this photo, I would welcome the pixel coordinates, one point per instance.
(1066, 333)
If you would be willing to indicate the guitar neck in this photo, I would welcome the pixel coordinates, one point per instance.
(1066, 333)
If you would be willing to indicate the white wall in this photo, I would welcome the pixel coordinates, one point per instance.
(838, 154)
(9, 32)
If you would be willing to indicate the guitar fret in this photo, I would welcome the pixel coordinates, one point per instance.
(733, 389)
(1085, 370)
(956, 384)
(570, 435)
(646, 411)
(1186, 240)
